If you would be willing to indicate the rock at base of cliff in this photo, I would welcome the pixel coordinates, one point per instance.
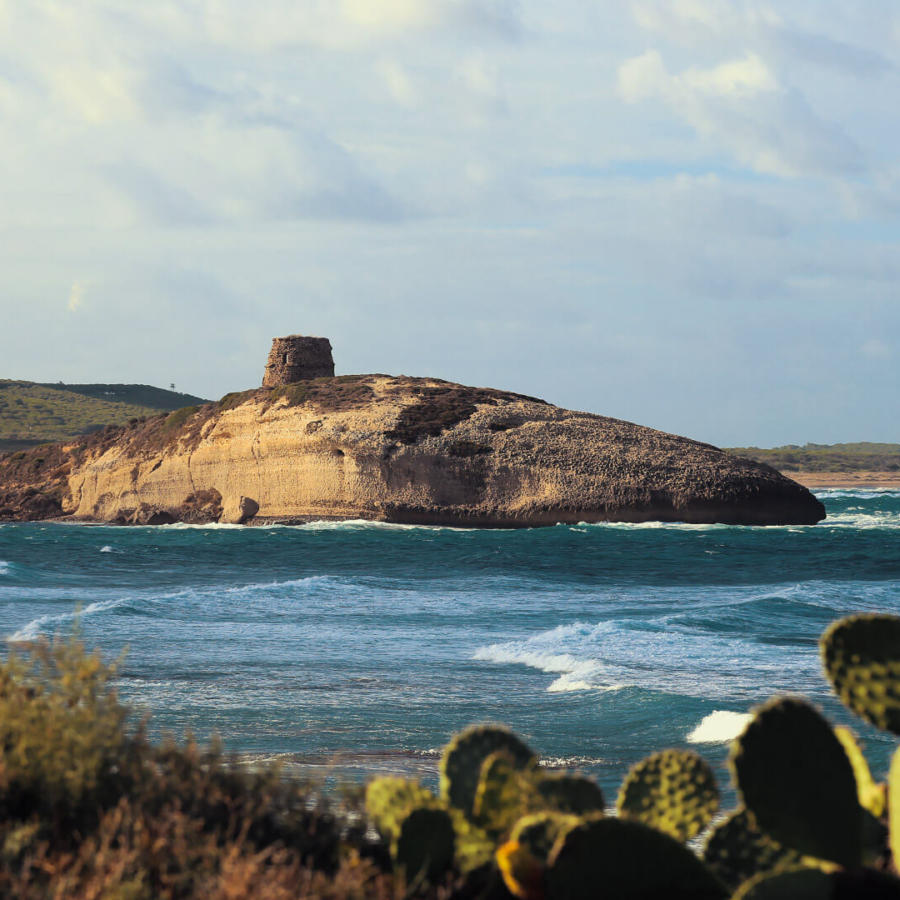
(239, 511)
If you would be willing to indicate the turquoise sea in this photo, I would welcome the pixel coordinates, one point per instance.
(352, 648)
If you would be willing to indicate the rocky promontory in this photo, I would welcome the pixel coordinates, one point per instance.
(395, 449)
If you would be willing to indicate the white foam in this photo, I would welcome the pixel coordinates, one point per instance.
(574, 674)
(362, 524)
(656, 655)
(106, 549)
(33, 629)
(719, 727)
(5, 567)
(856, 493)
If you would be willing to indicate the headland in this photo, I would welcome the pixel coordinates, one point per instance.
(310, 446)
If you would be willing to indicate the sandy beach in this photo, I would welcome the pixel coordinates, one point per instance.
(846, 479)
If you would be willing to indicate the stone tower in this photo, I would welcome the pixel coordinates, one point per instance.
(297, 358)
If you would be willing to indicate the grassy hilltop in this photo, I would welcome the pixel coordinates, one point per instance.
(859, 457)
(32, 413)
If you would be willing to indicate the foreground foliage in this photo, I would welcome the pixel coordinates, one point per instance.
(89, 808)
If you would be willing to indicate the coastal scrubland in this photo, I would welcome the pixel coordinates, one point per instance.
(857, 457)
(91, 808)
(32, 413)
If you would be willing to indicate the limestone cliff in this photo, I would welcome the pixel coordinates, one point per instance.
(396, 449)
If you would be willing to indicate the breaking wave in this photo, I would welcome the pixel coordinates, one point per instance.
(36, 627)
(719, 727)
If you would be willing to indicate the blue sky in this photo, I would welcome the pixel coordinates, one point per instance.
(681, 213)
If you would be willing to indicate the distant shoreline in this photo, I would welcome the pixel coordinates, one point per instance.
(845, 479)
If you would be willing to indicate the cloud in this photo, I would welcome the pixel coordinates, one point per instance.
(398, 81)
(76, 297)
(743, 23)
(740, 105)
(875, 349)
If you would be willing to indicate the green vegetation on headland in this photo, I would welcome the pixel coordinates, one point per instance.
(32, 413)
(90, 808)
(860, 457)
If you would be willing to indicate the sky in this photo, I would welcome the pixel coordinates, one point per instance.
(683, 213)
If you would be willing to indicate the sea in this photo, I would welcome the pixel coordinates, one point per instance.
(346, 650)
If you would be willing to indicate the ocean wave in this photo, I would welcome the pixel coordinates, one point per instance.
(650, 526)
(5, 567)
(33, 629)
(366, 524)
(654, 656)
(857, 493)
(861, 521)
(570, 762)
(141, 602)
(719, 727)
(106, 548)
(574, 674)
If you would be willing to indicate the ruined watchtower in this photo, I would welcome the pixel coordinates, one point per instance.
(296, 358)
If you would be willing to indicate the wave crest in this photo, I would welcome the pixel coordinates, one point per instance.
(719, 727)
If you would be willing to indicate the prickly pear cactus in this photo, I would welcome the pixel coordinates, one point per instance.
(816, 884)
(573, 794)
(870, 794)
(420, 834)
(504, 794)
(797, 783)
(522, 860)
(463, 758)
(388, 800)
(523, 873)
(424, 846)
(626, 860)
(893, 805)
(539, 832)
(474, 846)
(861, 656)
(674, 791)
(736, 850)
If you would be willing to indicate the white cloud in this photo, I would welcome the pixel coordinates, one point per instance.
(746, 76)
(76, 297)
(390, 15)
(739, 104)
(398, 81)
(875, 349)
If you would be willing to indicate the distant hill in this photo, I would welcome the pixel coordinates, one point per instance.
(861, 457)
(32, 413)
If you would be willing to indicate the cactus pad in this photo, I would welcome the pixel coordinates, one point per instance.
(870, 794)
(425, 844)
(797, 783)
(523, 874)
(893, 805)
(504, 794)
(463, 758)
(474, 847)
(573, 794)
(539, 832)
(388, 800)
(815, 884)
(736, 850)
(673, 791)
(626, 860)
(861, 656)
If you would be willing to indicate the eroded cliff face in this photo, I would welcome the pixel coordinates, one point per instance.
(394, 449)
